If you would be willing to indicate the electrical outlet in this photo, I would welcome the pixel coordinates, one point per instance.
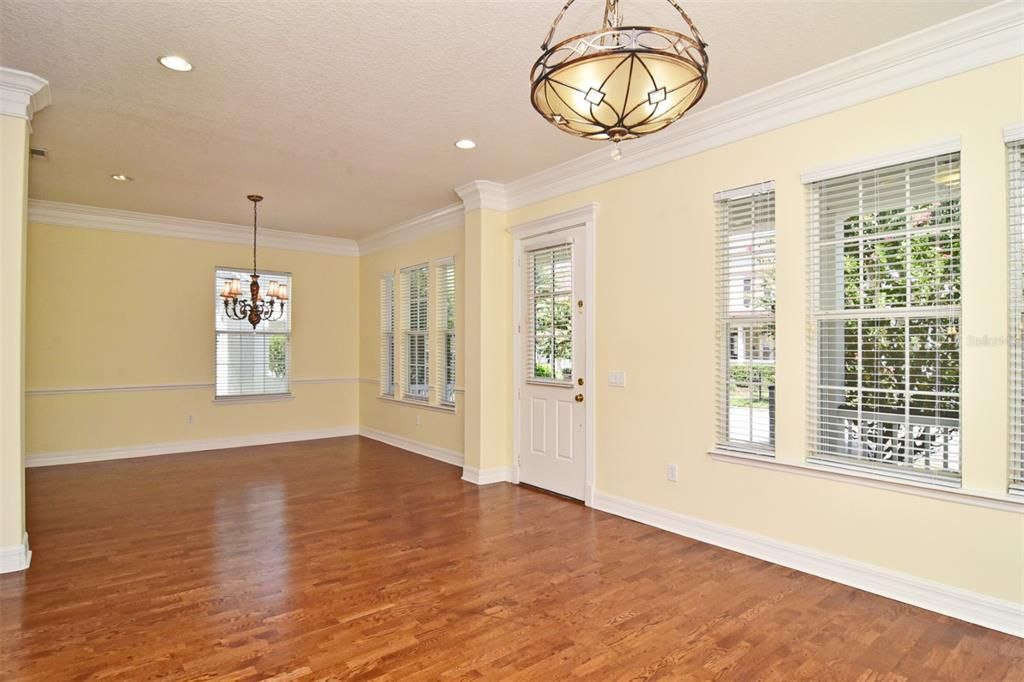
(417, 420)
(188, 419)
(673, 472)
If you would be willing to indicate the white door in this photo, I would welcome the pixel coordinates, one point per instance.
(551, 388)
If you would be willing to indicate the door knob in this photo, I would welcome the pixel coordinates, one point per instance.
(579, 397)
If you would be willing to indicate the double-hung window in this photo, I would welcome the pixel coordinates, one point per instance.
(416, 304)
(251, 362)
(884, 273)
(746, 317)
(1015, 151)
(387, 335)
(446, 330)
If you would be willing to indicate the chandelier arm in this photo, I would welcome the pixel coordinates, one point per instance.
(686, 17)
(693, 28)
(554, 25)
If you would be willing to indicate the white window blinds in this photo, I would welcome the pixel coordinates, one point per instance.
(446, 330)
(746, 318)
(549, 312)
(416, 300)
(1015, 152)
(387, 335)
(251, 362)
(884, 268)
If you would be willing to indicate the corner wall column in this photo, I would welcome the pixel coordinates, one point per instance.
(21, 95)
(488, 323)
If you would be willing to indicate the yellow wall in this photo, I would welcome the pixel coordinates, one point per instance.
(436, 426)
(108, 309)
(13, 196)
(655, 264)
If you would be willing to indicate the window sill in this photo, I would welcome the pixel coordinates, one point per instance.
(423, 404)
(267, 398)
(1009, 503)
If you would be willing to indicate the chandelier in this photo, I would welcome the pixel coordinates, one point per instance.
(619, 82)
(255, 308)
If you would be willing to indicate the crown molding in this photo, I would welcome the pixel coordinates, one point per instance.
(483, 194)
(986, 36)
(22, 94)
(114, 220)
(442, 219)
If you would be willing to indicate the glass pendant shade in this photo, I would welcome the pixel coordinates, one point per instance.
(619, 82)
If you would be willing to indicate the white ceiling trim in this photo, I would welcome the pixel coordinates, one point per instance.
(22, 94)
(986, 36)
(483, 194)
(442, 219)
(968, 42)
(114, 220)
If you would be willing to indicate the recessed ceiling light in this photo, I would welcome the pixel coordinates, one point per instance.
(465, 144)
(121, 177)
(175, 63)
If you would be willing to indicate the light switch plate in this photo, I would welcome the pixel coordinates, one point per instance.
(617, 378)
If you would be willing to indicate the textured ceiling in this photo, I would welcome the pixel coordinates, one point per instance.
(344, 113)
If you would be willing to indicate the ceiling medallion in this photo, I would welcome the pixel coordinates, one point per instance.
(619, 82)
(255, 309)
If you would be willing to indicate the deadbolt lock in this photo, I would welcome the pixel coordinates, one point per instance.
(580, 381)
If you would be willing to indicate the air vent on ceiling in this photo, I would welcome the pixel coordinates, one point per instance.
(38, 153)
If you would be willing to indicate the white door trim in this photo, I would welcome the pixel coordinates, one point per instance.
(585, 217)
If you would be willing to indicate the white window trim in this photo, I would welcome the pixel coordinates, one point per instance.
(722, 318)
(405, 331)
(387, 391)
(975, 498)
(442, 333)
(864, 164)
(869, 164)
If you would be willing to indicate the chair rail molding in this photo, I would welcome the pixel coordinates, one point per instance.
(22, 94)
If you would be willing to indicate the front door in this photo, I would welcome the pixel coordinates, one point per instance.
(551, 391)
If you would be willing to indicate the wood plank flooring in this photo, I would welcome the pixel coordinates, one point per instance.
(347, 558)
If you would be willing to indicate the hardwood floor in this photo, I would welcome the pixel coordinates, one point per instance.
(348, 558)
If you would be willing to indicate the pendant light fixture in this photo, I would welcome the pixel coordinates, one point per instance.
(619, 82)
(255, 309)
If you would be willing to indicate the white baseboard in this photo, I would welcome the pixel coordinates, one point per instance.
(487, 476)
(425, 449)
(15, 557)
(127, 452)
(972, 607)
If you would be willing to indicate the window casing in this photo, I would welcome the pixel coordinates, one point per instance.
(251, 362)
(1015, 154)
(387, 335)
(884, 269)
(445, 272)
(416, 306)
(746, 318)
